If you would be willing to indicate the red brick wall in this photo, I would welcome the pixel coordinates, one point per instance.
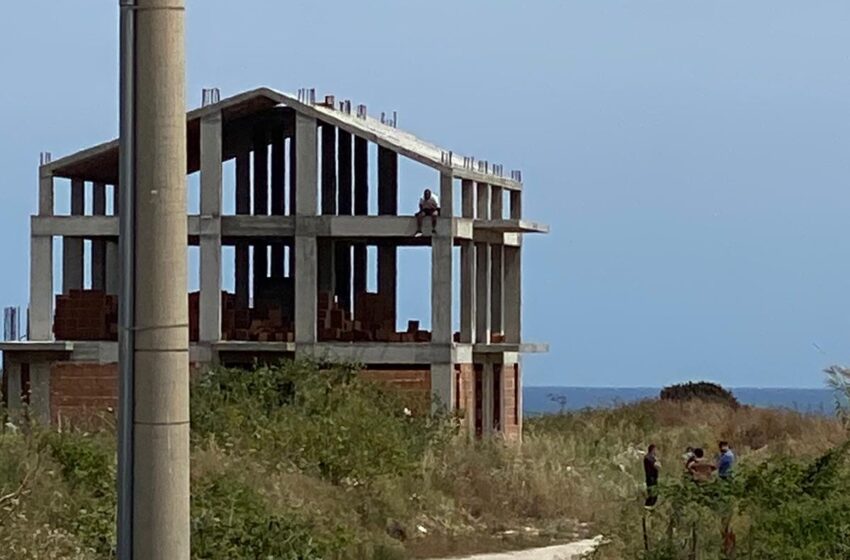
(511, 401)
(82, 392)
(414, 385)
(465, 391)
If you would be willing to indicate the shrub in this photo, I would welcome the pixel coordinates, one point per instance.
(702, 390)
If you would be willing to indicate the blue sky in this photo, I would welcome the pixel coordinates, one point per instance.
(692, 158)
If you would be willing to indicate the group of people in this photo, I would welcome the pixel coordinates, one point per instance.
(697, 466)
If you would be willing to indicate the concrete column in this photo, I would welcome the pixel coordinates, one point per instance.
(243, 207)
(467, 268)
(516, 205)
(483, 275)
(342, 257)
(305, 245)
(328, 207)
(513, 294)
(278, 196)
(12, 371)
(161, 519)
(261, 204)
(447, 199)
(306, 186)
(112, 270)
(497, 202)
(293, 190)
(98, 244)
(487, 398)
(72, 247)
(496, 288)
(442, 374)
(388, 206)
(40, 392)
(41, 288)
(305, 289)
(483, 201)
(361, 208)
(210, 240)
(45, 193)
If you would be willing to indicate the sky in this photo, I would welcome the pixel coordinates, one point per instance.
(692, 158)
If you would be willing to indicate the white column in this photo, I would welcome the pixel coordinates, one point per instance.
(41, 269)
(210, 238)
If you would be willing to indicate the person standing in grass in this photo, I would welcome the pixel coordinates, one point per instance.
(725, 461)
(701, 468)
(651, 466)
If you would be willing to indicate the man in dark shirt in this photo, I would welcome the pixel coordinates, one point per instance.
(651, 465)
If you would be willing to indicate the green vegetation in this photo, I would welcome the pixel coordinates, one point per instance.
(700, 391)
(300, 462)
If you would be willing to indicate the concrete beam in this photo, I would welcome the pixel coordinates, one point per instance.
(72, 247)
(378, 352)
(211, 192)
(41, 288)
(513, 294)
(482, 293)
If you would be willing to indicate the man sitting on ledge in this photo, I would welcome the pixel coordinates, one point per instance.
(429, 205)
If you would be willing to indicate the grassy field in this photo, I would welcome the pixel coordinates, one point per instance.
(295, 463)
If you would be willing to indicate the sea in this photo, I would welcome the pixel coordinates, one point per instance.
(542, 400)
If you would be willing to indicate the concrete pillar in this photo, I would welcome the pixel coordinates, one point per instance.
(41, 288)
(516, 205)
(328, 206)
(496, 288)
(210, 240)
(12, 371)
(40, 392)
(467, 269)
(278, 196)
(442, 374)
(361, 208)
(497, 202)
(45, 193)
(293, 191)
(243, 207)
(345, 207)
(388, 206)
(513, 294)
(72, 247)
(112, 270)
(487, 398)
(305, 245)
(161, 519)
(483, 201)
(261, 205)
(98, 244)
(483, 309)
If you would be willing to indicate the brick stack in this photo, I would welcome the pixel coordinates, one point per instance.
(374, 321)
(86, 315)
(263, 324)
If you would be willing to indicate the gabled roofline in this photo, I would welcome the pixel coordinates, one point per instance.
(369, 128)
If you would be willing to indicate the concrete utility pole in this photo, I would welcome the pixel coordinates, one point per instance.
(160, 457)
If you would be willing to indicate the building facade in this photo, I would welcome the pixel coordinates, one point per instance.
(309, 176)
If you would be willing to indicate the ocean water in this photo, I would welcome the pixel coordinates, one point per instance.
(539, 400)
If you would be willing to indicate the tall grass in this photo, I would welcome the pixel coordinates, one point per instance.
(298, 461)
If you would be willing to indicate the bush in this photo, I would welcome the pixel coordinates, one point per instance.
(703, 391)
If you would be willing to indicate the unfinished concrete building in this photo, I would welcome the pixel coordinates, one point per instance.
(298, 249)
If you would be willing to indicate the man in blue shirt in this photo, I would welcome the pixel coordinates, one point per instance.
(726, 461)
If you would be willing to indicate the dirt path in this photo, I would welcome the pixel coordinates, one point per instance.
(572, 551)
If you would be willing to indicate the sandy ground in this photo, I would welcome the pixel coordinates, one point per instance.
(572, 551)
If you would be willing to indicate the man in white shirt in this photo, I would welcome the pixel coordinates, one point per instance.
(429, 205)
